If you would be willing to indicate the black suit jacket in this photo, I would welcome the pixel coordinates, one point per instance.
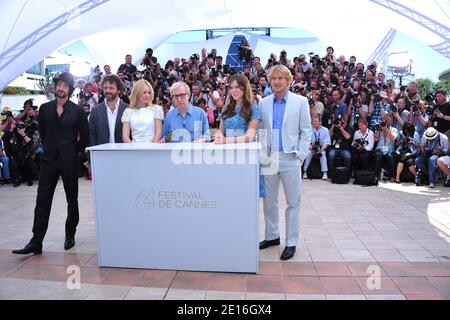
(99, 125)
(63, 137)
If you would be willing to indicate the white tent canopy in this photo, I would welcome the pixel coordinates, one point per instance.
(32, 29)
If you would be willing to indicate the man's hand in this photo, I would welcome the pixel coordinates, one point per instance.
(22, 132)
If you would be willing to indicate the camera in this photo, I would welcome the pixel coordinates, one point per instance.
(311, 101)
(403, 88)
(206, 90)
(317, 148)
(394, 108)
(5, 115)
(360, 143)
(376, 97)
(20, 125)
(429, 98)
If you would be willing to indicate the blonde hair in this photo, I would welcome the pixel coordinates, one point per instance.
(281, 69)
(138, 91)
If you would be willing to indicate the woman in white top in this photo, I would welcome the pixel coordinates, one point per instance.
(142, 121)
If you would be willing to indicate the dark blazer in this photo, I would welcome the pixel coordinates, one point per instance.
(63, 137)
(99, 126)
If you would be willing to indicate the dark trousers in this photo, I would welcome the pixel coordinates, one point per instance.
(361, 160)
(48, 179)
(25, 169)
(333, 154)
(386, 159)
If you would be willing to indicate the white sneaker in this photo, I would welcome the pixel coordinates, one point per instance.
(325, 176)
(305, 176)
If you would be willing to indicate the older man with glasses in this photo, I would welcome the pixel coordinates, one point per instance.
(185, 123)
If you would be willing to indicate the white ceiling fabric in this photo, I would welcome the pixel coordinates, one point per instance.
(112, 28)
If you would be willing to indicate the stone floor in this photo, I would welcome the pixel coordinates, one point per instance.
(385, 242)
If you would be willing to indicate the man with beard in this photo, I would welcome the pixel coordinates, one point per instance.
(64, 132)
(104, 122)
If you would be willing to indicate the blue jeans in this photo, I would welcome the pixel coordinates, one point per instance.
(428, 167)
(5, 169)
(333, 154)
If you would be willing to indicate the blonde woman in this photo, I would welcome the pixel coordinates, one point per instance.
(142, 121)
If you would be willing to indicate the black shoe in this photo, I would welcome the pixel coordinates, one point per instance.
(30, 183)
(16, 183)
(69, 243)
(288, 253)
(447, 182)
(29, 248)
(269, 243)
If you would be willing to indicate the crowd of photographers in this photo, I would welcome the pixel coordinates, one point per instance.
(360, 120)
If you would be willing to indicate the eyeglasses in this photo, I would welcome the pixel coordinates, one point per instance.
(179, 96)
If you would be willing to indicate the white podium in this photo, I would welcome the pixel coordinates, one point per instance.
(177, 206)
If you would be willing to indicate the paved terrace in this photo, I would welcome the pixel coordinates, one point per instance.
(402, 229)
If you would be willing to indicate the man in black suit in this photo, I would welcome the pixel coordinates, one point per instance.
(105, 125)
(64, 132)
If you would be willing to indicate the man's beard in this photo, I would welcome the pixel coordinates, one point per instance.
(61, 94)
(110, 96)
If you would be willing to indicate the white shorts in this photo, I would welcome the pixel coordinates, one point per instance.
(446, 160)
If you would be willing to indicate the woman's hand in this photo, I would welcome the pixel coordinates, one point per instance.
(219, 138)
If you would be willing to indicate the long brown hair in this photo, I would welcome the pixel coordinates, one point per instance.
(247, 100)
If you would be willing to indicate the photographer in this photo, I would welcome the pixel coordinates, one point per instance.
(88, 97)
(125, 95)
(444, 165)
(283, 59)
(330, 55)
(442, 108)
(339, 108)
(320, 140)
(385, 135)
(418, 116)
(377, 108)
(357, 110)
(202, 104)
(128, 68)
(432, 146)
(407, 143)
(341, 139)
(363, 141)
(316, 106)
(245, 52)
(22, 165)
(264, 86)
(4, 160)
(147, 61)
(409, 93)
(302, 66)
(400, 114)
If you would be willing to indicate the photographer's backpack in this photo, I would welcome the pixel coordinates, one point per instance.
(341, 175)
(314, 170)
(365, 178)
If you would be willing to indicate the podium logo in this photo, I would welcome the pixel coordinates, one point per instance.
(158, 199)
(145, 200)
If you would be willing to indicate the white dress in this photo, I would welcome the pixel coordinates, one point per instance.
(142, 122)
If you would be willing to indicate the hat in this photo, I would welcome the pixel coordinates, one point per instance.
(66, 77)
(383, 94)
(430, 133)
(7, 109)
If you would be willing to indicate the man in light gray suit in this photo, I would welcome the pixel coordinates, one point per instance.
(287, 125)
(105, 125)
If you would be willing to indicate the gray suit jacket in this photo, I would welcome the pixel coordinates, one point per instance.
(99, 126)
(297, 129)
